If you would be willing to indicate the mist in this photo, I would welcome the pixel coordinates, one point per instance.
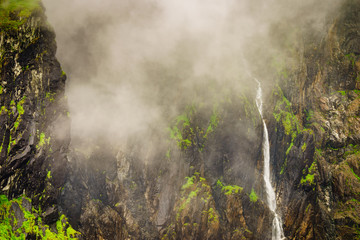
(133, 65)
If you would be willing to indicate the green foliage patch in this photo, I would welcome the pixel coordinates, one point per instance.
(283, 113)
(355, 175)
(32, 225)
(189, 182)
(191, 190)
(309, 178)
(186, 132)
(212, 215)
(229, 189)
(303, 148)
(253, 197)
(13, 13)
(42, 140)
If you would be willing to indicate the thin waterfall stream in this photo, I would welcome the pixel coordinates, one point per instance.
(277, 230)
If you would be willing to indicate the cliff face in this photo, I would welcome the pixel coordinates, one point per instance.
(34, 121)
(193, 187)
(315, 133)
(201, 178)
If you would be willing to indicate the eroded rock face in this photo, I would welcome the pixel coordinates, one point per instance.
(195, 191)
(315, 135)
(34, 121)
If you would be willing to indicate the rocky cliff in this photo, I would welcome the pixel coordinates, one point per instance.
(314, 122)
(201, 176)
(35, 126)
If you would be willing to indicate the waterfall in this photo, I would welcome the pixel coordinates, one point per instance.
(277, 230)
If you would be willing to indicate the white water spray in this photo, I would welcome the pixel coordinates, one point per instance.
(277, 230)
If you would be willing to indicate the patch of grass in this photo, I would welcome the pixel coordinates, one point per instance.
(343, 93)
(186, 132)
(189, 183)
(14, 12)
(42, 141)
(253, 197)
(33, 224)
(213, 123)
(309, 178)
(191, 190)
(229, 189)
(212, 216)
(182, 122)
(352, 170)
(284, 115)
(289, 148)
(303, 148)
(50, 96)
(309, 115)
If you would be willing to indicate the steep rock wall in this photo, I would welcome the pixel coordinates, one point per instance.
(35, 124)
(315, 132)
(196, 186)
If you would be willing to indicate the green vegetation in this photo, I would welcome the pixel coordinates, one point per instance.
(50, 96)
(12, 142)
(309, 115)
(353, 150)
(13, 13)
(343, 93)
(253, 197)
(21, 111)
(168, 153)
(42, 141)
(3, 109)
(229, 189)
(194, 186)
(212, 215)
(214, 121)
(289, 148)
(284, 115)
(33, 226)
(352, 170)
(309, 178)
(189, 182)
(183, 123)
(303, 148)
(187, 133)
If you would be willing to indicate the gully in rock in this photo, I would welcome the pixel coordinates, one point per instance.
(277, 230)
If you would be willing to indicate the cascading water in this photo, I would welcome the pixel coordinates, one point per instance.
(277, 230)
